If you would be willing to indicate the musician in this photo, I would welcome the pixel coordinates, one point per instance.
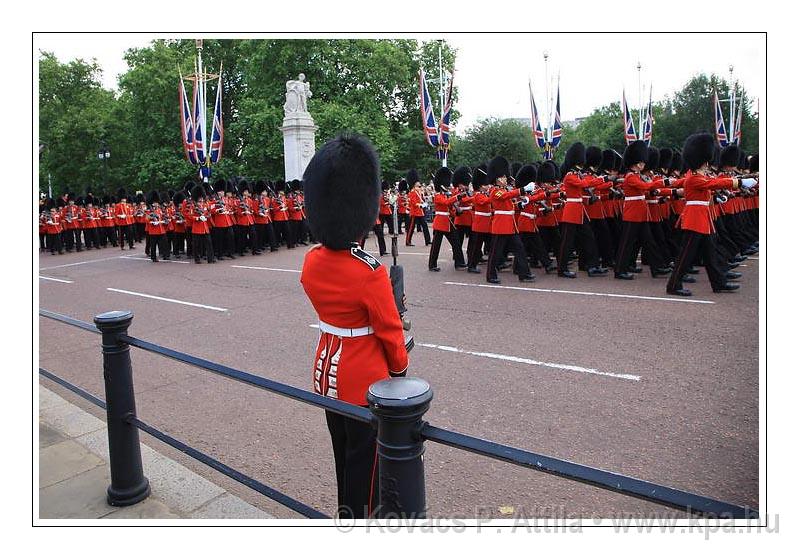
(280, 215)
(140, 218)
(107, 228)
(201, 230)
(696, 222)
(296, 215)
(443, 202)
(505, 234)
(72, 233)
(361, 333)
(416, 204)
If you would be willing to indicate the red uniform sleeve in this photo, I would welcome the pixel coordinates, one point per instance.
(505, 195)
(385, 320)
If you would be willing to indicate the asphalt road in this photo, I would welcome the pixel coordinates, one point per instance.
(613, 374)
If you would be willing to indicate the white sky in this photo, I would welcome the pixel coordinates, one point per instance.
(492, 70)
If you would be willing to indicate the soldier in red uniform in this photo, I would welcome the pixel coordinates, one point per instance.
(91, 223)
(361, 333)
(179, 223)
(280, 215)
(403, 216)
(156, 226)
(296, 214)
(201, 230)
(462, 177)
(546, 221)
(600, 161)
(443, 202)
(526, 220)
(385, 212)
(416, 204)
(123, 218)
(53, 228)
(245, 223)
(481, 219)
(696, 221)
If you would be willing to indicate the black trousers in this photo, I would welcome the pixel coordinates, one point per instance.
(377, 229)
(632, 234)
(692, 243)
(551, 237)
(202, 240)
(389, 221)
(500, 245)
(157, 242)
(534, 248)
(54, 243)
(355, 454)
(283, 233)
(269, 233)
(139, 231)
(125, 232)
(246, 236)
(477, 239)
(418, 221)
(178, 242)
(452, 238)
(587, 246)
(605, 243)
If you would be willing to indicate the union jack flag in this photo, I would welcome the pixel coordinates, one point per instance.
(555, 135)
(444, 124)
(722, 135)
(217, 130)
(627, 122)
(737, 135)
(536, 126)
(426, 108)
(647, 133)
(199, 110)
(187, 124)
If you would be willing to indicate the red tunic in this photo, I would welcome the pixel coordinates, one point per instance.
(155, 222)
(574, 185)
(199, 219)
(441, 209)
(415, 203)
(359, 295)
(636, 189)
(386, 208)
(481, 213)
(280, 212)
(503, 222)
(697, 190)
(464, 214)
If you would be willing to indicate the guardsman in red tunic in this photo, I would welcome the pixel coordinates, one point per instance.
(179, 223)
(574, 220)
(156, 226)
(546, 221)
(361, 334)
(221, 218)
(123, 218)
(53, 228)
(417, 205)
(731, 208)
(199, 217)
(245, 223)
(481, 219)
(280, 215)
(91, 223)
(600, 161)
(385, 212)
(462, 177)
(526, 221)
(696, 222)
(403, 216)
(296, 213)
(443, 201)
(635, 229)
(505, 235)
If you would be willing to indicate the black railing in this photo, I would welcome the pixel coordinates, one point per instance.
(396, 408)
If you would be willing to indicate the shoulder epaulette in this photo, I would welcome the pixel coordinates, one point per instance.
(365, 257)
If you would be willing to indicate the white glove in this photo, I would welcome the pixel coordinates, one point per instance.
(530, 187)
(202, 218)
(747, 183)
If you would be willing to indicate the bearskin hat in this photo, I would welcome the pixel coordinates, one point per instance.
(280, 185)
(698, 150)
(498, 167)
(79, 201)
(295, 185)
(462, 176)
(343, 190)
(89, 199)
(170, 193)
(677, 162)
(121, 194)
(653, 156)
(548, 172)
(754, 163)
(198, 192)
(479, 176)
(635, 152)
(402, 186)
(607, 160)
(152, 197)
(515, 167)
(525, 175)
(442, 179)
(594, 156)
(244, 185)
(49, 203)
(384, 185)
(106, 199)
(178, 198)
(575, 156)
(664, 158)
(729, 157)
(60, 203)
(219, 185)
(260, 186)
(412, 178)
(742, 160)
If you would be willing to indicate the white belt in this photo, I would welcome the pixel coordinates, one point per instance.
(528, 215)
(574, 200)
(697, 203)
(486, 214)
(504, 212)
(346, 333)
(442, 213)
(627, 198)
(652, 202)
(464, 208)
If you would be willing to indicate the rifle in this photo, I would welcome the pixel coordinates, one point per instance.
(396, 277)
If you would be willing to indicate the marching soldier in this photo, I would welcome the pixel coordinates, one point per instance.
(526, 220)
(443, 202)
(385, 213)
(123, 218)
(201, 231)
(179, 233)
(546, 221)
(403, 215)
(245, 223)
(462, 177)
(481, 219)
(361, 334)
(416, 204)
(280, 216)
(598, 160)
(54, 227)
(156, 227)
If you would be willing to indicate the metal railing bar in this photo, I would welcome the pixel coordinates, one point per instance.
(74, 388)
(69, 320)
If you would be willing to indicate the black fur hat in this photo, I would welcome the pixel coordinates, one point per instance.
(244, 185)
(295, 185)
(498, 167)
(89, 200)
(219, 185)
(170, 193)
(754, 163)
(729, 157)
(618, 162)
(479, 176)
(575, 156)
(677, 162)
(442, 179)
(343, 190)
(525, 175)
(698, 150)
(548, 172)
(79, 201)
(607, 160)
(402, 185)
(60, 203)
(106, 199)
(121, 194)
(462, 176)
(384, 185)
(515, 167)
(187, 187)
(198, 192)
(664, 158)
(178, 198)
(139, 197)
(742, 160)
(152, 197)
(594, 156)
(636, 152)
(280, 185)
(653, 157)
(260, 186)
(412, 178)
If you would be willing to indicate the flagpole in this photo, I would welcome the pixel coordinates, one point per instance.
(441, 97)
(639, 72)
(732, 106)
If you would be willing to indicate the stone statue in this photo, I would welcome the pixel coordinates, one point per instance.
(297, 93)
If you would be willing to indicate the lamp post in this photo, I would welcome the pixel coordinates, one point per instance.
(104, 154)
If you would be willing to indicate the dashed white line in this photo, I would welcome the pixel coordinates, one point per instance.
(574, 292)
(148, 259)
(78, 263)
(265, 268)
(55, 279)
(170, 300)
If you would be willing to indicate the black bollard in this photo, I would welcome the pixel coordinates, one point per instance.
(399, 404)
(128, 483)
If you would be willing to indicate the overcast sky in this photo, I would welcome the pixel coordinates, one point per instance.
(492, 70)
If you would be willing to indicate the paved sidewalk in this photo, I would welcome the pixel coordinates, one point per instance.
(74, 474)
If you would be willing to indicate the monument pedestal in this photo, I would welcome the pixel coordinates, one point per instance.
(298, 129)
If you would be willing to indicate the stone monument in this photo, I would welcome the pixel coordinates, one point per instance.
(298, 129)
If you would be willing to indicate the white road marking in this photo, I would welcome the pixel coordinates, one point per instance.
(419, 254)
(528, 361)
(517, 359)
(148, 259)
(77, 263)
(55, 279)
(573, 292)
(211, 307)
(265, 268)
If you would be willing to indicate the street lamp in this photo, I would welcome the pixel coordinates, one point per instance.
(104, 154)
